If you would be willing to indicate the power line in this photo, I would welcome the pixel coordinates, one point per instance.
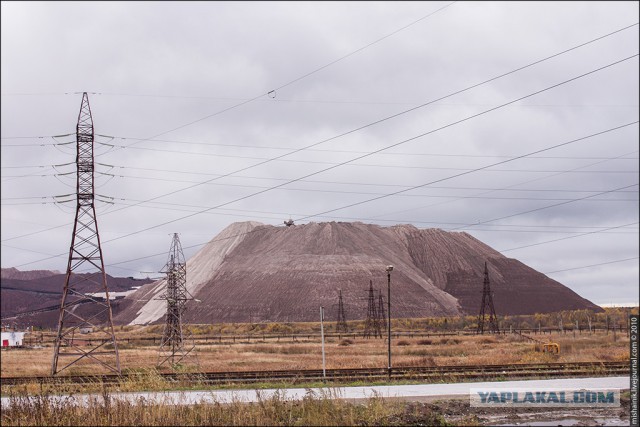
(338, 191)
(472, 171)
(438, 99)
(318, 190)
(423, 134)
(39, 137)
(378, 165)
(385, 148)
(397, 144)
(327, 151)
(348, 102)
(425, 104)
(264, 178)
(234, 212)
(591, 265)
(412, 109)
(334, 151)
(301, 77)
(554, 205)
(511, 187)
(256, 214)
(568, 237)
(364, 47)
(325, 66)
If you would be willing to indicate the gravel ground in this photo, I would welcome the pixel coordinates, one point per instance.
(459, 412)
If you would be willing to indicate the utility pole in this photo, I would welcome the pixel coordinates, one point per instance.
(341, 325)
(77, 308)
(389, 270)
(177, 342)
(487, 307)
(324, 370)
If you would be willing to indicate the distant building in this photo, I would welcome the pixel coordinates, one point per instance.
(12, 339)
(86, 330)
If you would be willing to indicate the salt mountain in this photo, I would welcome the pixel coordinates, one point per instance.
(253, 272)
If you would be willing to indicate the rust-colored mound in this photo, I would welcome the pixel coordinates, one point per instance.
(253, 272)
(34, 296)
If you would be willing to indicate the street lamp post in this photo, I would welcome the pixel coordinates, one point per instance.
(324, 370)
(389, 270)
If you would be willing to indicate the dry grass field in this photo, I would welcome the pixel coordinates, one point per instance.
(247, 347)
(281, 346)
(352, 351)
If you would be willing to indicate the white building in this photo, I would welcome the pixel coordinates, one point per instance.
(12, 339)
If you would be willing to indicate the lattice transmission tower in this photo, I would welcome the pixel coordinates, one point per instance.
(372, 324)
(80, 311)
(177, 346)
(341, 324)
(487, 309)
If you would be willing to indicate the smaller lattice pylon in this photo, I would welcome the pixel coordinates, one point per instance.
(372, 324)
(341, 324)
(487, 308)
(382, 315)
(178, 345)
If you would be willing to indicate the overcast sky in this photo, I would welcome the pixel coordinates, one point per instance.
(380, 112)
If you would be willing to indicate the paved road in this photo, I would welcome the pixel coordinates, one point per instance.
(411, 392)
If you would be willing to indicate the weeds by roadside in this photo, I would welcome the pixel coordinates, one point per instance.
(316, 408)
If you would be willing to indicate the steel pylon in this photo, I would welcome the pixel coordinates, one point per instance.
(341, 324)
(372, 324)
(177, 346)
(80, 311)
(487, 308)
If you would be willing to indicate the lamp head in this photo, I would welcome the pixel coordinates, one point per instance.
(389, 268)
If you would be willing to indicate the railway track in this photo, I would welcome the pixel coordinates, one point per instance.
(426, 373)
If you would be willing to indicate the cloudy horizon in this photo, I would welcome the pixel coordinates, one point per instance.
(516, 122)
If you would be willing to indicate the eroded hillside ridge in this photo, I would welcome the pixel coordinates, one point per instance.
(36, 300)
(14, 273)
(253, 272)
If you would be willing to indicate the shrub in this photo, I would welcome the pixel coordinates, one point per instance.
(403, 342)
(425, 342)
(345, 342)
(449, 341)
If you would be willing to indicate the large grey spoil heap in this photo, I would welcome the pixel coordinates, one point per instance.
(252, 272)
